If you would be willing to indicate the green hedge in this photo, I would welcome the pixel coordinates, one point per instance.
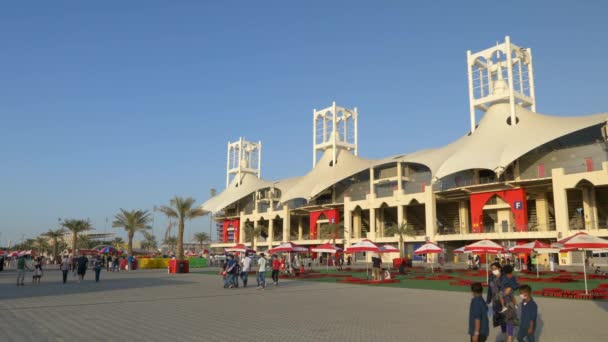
(197, 262)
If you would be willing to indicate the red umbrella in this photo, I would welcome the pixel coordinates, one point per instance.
(584, 242)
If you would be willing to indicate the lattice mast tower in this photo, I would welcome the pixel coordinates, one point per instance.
(334, 128)
(243, 157)
(502, 73)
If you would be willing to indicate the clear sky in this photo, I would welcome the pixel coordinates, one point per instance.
(123, 104)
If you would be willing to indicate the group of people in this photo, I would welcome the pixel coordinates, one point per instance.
(234, 269)
(504, 307)
(77, 265)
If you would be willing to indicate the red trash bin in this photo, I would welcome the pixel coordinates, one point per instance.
(123, 264)
(179, 266)
(134, 264)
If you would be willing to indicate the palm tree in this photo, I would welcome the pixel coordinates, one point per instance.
(132, 222)
(149, 242)
(181, 209)
(170, 242)
(118, 242)
(333, 231)
(41, 244)
(252, 233)
(54, 236)
(402, 230)
(76, 226)
(201, 238)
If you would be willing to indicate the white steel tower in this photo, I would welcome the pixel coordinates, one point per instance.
(333, 128)
(243, 157)
(502, 73)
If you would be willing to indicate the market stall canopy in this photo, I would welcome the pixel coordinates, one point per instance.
(288, 247)
(326, 248)
(363, 246)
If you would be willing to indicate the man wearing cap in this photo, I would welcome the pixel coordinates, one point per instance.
(261, 272)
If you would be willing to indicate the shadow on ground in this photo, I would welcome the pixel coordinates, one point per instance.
(52, 286)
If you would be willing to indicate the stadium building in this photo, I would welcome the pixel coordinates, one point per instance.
(516, 176)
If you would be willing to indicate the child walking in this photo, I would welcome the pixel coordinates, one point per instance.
(479, 327)
(529, 313)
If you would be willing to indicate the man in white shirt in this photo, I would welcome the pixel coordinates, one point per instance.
(261, 272)
(245, 268)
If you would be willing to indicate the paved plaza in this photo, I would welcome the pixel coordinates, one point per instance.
(155, 306)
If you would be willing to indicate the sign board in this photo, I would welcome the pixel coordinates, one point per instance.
(519, 205)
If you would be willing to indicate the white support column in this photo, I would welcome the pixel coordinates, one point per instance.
(270, 231)
(471, 97)
(400, 210)
(399, 178)
(371, 183)
(334, 132)
(430, 212)
(228, 165)
(348, 226)
(463, 213)
(510, 76)
(372, 224)
(286, 224)
(357, 224)
(259, 158)
(300, 228)
(560, 201)
(356, 124)
(314, 137)
(588, 208)
(241, 229)
(531, 81)
(542, 212)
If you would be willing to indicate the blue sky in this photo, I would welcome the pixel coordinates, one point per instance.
(116, 104)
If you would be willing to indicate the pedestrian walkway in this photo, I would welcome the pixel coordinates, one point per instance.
(155, 306)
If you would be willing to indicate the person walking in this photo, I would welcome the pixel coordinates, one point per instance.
(376, 264)
(245, 269)
(21, 266)
(65, 267)
(495, 296)
(37, 271)
(231, 269)
(82, 264)
(276, 268)
(98, 266)
(478, 315)
(529, 315)
(261, 272)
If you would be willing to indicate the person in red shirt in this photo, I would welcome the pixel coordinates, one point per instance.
(276, 266)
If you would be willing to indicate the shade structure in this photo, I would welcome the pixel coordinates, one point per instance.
(241, 248)
(485, 247)
(326, 248)
(534, 246)
(460, 250)
(288, 247)
(429, 248)
(389, 249)
(363, 246)
(584, 242)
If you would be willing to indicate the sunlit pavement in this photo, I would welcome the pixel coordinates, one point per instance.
(156, 306)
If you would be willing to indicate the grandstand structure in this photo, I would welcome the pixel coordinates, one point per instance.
(516, 176)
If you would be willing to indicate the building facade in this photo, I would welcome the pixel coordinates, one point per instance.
(516, 176)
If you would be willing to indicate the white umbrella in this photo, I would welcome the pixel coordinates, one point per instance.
(429, 248)
(363, 246)
(486, 247)
(326, 248)
(584, 242)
